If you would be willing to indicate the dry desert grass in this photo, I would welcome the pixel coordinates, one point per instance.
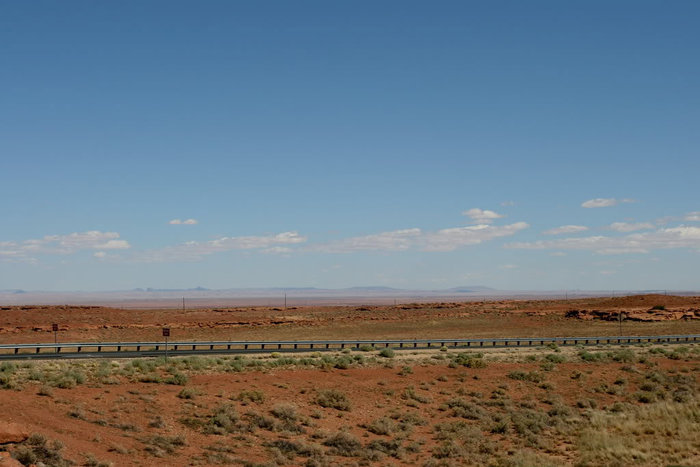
(603, 406)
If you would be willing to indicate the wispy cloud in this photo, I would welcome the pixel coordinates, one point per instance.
(630, 227)
(396, 240)
(451, 239)
(676, 237)
(566, 229)
(482, 216)
(68, 244)
(185, 222)
(195, 251)
(439, 240)
(604, 202)
(692, 216)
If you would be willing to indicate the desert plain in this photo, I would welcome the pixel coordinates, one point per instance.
(549, 405)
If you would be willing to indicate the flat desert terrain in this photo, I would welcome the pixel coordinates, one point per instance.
(643, 314)
(617, 406)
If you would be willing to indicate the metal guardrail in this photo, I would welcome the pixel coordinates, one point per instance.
(137, 349)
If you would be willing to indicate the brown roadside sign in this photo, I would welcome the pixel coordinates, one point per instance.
(166, 332)
(54, 327)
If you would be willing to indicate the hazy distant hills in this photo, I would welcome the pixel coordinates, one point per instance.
(275, 296)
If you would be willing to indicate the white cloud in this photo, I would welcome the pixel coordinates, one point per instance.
(482, 216)
(451, 239)
(676, 237)
(630, 227)
(396, 240)
(509, 266)
(99, 254)
(508, 203)
(185, 222)
(566, 229)
(439, 240)
(277, 250)
(194, 251)
(604, 202)
(61, 245)
(692, 216)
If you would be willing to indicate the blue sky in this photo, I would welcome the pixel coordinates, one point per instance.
(337, 144)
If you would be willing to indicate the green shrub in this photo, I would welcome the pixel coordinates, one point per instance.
(387, 353)
(179, 379)
(252, 395)
(531, 376)
(223, 420)
(555, 358)
(334, 399)
(36, 449)
(285, 412)
(382, 426)
(188, 393)
(160, 446)
(469, 360)
(344, 444)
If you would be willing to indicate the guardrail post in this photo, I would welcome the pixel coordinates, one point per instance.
(78, 349)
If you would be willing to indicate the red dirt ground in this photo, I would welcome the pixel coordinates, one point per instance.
(114, 419)
(504, 318)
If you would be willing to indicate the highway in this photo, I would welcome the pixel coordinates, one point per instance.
(72, 350)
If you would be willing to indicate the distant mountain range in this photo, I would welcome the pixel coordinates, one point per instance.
(274, 296)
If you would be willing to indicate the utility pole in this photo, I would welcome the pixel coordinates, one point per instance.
(619, 316)
(285, 300)
(55, 335)
(183, 303)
